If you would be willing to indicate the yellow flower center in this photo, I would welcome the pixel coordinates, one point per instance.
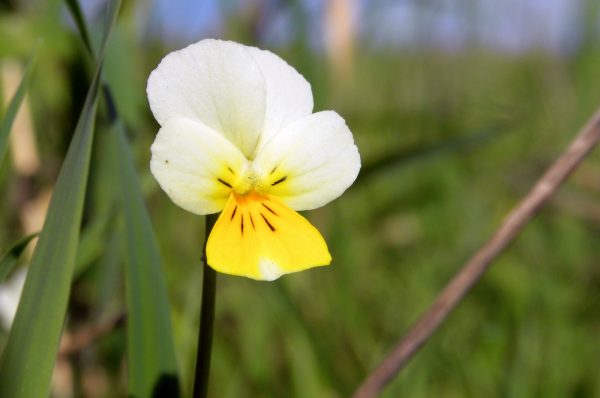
(251, 180)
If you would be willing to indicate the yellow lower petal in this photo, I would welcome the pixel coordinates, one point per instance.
(259, 237)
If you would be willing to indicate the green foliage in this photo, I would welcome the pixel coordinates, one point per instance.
(28, 358)
(13, 107)
(152, 368)
(8, 261)
(449, 142)
(150, 350)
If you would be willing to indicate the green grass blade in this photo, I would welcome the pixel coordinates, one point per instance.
(9, 259)
(28, 360)
(13, 107)
(152, 367)
(93, 240)
(75, 9)
(82, 27)
(150, 350)
(428, 151)
(29, 356)
(111, 17)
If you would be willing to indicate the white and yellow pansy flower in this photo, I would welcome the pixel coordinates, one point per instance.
(238, 136)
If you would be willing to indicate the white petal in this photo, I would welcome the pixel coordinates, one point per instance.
(10, 294)
(188, 159)
(289, 96)
(216, 82)
(310, 162)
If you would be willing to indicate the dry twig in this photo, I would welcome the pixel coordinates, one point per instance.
(472, 271)
(83, 338)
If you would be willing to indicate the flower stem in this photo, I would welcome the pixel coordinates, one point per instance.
(207, 315)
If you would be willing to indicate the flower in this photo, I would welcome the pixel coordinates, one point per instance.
(238, 136)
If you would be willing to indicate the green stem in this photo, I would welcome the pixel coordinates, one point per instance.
(207, 316)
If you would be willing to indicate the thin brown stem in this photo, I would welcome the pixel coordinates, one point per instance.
(472, 271)
(87, 336)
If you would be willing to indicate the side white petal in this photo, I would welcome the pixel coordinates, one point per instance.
(289, 96)
(188, 159)
(310, 162)
(216, 82)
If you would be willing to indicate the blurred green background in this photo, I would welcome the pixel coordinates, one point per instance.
(456, 107)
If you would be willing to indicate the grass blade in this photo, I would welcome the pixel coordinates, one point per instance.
(423, 152)
(9, 259)
(13, 107)
(75, 9)
(93, 240)
(28, 359)
(150, 350)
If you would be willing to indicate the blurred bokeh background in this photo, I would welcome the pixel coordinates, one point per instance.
(457, 106)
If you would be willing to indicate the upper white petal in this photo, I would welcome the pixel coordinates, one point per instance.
(317, 156)
(216, 82)
(188, 158)
(245, 93)
(289, 96)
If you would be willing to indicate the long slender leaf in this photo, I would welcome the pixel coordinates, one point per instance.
(9, 259)
(150, 350)
(14, 105)
(423, 152)
(75, 9)
(28, 359)
(92, 240)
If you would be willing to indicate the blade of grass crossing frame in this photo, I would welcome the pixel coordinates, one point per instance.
(152, 369)
(29, 356)
(9, 259)
(92, 240)
(150, 351)
(111, 17)
(75, 9)
(13, 107)
(28, 359)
